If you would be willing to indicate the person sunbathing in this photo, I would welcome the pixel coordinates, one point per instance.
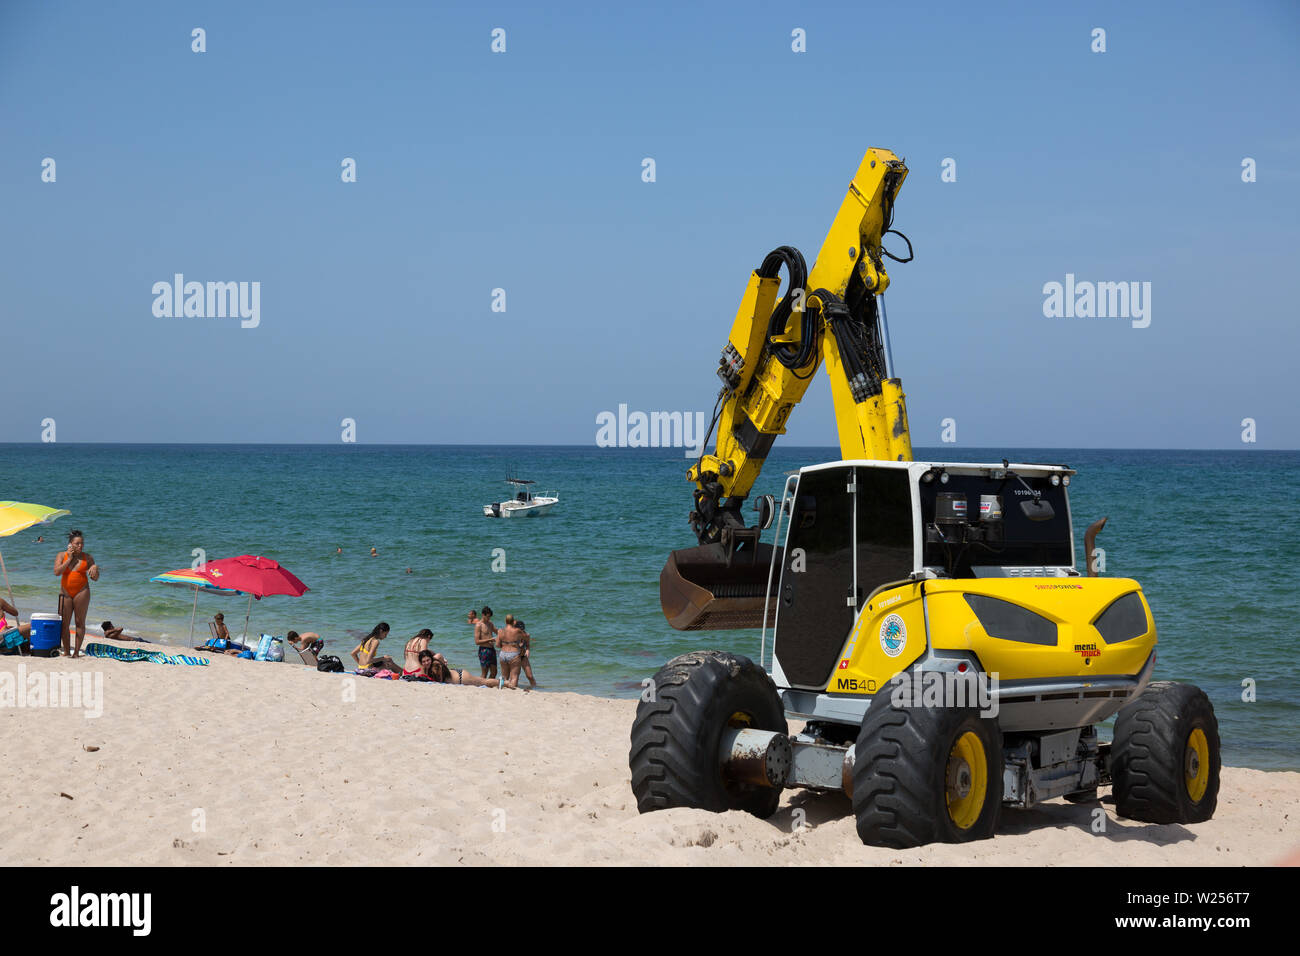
(414, 647)
(114, 633)
(366, 654)
(434, 667)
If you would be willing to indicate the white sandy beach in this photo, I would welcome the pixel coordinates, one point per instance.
(249, 763)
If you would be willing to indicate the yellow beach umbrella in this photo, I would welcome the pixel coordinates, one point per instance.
(18, 516)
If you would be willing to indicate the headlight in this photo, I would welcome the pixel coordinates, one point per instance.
(1011, 622)
(1123, 620)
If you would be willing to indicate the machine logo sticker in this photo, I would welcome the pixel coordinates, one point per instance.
(893, 635)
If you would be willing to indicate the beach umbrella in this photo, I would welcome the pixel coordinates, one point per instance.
(255, 576)
(18, 516)
(190, 578)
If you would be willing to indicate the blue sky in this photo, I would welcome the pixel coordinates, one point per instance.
(522, 171)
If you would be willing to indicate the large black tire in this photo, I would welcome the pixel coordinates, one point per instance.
(1161, 770)
(901, 765)
(675, 758)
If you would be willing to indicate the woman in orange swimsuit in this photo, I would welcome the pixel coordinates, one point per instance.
(76, 569)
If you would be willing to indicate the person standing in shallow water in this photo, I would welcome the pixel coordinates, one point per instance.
(508, 646)
(526, 652)
(485, 636)
(76, 569)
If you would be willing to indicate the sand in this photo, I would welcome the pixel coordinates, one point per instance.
(247, 763)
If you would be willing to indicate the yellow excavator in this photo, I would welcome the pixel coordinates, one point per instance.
(931, 634)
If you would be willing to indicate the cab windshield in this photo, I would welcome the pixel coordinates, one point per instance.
(1023, 538)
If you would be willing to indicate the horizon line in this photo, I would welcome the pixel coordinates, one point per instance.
(181, 444)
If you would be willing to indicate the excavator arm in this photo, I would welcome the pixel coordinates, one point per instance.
(831, 315)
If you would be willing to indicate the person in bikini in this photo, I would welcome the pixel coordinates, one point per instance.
(414, 647)
(366, 653)
(526, 648)
(434, 667)
(509, 645)
(75, 569)
(485, 638)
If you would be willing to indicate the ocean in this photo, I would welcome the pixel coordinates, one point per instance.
(1210, 534)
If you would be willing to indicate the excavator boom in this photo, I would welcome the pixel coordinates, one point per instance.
(830, 315)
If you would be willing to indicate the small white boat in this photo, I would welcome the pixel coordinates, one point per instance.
(523, 503)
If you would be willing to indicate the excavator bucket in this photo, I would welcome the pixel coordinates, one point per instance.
(705, 589)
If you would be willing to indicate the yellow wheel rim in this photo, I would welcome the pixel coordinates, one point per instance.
(966, 780)
(740, 719)
(1197, 765)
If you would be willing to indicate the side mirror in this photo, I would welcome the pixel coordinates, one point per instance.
(1036, 509)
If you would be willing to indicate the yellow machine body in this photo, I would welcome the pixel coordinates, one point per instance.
(1072, 604)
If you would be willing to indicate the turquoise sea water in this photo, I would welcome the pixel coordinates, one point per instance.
(1212, 535)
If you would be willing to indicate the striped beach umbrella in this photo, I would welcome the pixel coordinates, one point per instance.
(190, 578)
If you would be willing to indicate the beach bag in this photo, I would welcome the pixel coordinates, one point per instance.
(329, 664)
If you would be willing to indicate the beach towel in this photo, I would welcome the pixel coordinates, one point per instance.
(129, 654)
(380, 673)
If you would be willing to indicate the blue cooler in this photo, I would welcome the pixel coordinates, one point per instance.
(47, 631)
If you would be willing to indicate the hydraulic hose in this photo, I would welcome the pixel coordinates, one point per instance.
(791, 357)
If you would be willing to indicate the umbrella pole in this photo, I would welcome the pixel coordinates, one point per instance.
(7, 587)
(247, 615)
(193, 615)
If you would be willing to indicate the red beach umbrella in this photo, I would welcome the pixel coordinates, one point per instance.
(255, 576)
